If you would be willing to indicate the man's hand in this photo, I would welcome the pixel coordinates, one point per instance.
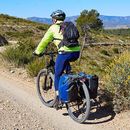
(34, 53)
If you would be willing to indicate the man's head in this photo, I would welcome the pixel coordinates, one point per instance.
(58, 15)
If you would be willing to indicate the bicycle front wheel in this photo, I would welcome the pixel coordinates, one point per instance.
(79, 110)
(45, 88)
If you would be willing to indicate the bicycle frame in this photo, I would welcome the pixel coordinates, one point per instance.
(51, 61)
(51, 64)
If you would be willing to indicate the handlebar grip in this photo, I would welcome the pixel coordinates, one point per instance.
(41, 54)
(44, 53)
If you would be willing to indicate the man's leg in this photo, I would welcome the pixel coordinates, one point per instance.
(62, 63)
(67, 67)
(59, 68)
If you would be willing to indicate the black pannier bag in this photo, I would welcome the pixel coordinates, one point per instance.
(69, 90)
(91, 81)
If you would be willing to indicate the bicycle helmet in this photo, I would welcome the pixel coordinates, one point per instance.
(58, 14)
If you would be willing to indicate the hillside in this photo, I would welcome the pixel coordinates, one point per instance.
(17, 28)
(108, 21)
(116, 21)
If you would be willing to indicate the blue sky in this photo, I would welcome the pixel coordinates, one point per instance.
(43, 8)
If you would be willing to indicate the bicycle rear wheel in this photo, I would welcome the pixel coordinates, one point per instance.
(45, 88)
(79, 110)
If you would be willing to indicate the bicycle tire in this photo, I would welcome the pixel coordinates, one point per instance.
(43, 89)
(86, 99)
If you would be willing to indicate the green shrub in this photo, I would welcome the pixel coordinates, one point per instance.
(34, 67)
(16, 56)
(116, 50)
(21, 54)
(104, 52)
(17, 34)
(42, 27)
(117, 81)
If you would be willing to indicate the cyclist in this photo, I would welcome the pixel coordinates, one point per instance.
(65, 54)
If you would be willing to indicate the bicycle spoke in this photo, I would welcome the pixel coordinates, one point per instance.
(80, 109)
(46, 89)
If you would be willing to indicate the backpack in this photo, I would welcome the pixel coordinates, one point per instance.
(70, 35)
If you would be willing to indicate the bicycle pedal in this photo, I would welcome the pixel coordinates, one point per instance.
(57, 106)
(45, 91)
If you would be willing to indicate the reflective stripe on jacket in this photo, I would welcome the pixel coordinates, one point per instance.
(52, 34)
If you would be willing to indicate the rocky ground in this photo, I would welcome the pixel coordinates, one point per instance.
(16, 116)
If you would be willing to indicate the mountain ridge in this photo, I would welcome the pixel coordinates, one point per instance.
(109, 22)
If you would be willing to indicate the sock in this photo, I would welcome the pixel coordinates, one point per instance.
(57, 93)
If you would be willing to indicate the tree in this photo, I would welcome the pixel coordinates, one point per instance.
(88, 21)
(89, 18)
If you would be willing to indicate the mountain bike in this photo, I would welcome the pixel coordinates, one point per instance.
(78, 107)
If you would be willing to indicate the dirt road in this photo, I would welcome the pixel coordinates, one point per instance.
(20, 109)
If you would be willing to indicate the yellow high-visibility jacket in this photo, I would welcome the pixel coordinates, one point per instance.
(52, 34)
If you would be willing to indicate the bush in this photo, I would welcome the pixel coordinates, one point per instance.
(42, 27)
(34, 67)
(17, 34)
(21, 54)
(104, 52)
(116, 50)
(117, 82)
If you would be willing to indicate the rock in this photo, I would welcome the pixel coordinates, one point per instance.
(7, 101)
(12, 71)
(1, 108)
(15, 112)
(3, 41)
(22, 127)
(16, 129)
(19, 73)
(12, 109)
(20, 117)
(28, 80)
(24, 114)
(15, 124)
(1, 101)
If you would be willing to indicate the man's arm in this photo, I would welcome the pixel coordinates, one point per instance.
(48, 37)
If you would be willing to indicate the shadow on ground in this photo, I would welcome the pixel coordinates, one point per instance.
(99, 115)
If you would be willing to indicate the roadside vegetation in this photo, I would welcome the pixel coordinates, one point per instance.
(21, 54)
(16, 29)
(117, 81)
(110, 62)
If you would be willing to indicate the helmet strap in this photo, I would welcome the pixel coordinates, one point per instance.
(54, 20)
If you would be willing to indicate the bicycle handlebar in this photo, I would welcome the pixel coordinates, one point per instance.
(49, 53)
(45, 53)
